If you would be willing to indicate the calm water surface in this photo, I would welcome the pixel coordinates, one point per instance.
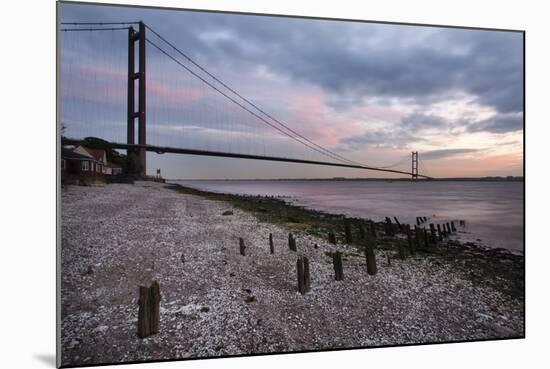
(493, 211)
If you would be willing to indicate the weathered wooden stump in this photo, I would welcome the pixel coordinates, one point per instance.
(291, 242)
(338, 267)
(409, 240)
(242, 246)
(426, 239)
(389, 227)
(398, 224)
(347, 231)
(271, 246)
(417, 221)
(149, 310)
(439, 232)
(433, 234)
(302, 268)
(453, 226)
(307, 280)
(362, 232)
(373, 229)
(371, 258)
(418, 237)
(332, 238)
(401, 248)
(448, 228)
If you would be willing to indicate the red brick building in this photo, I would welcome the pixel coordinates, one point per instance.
(85, 163)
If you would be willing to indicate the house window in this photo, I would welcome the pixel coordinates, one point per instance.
(85, 166)
(98, 168)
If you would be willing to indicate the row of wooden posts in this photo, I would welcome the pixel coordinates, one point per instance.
(149, 297)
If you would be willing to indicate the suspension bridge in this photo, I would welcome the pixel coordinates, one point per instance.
(115, 75)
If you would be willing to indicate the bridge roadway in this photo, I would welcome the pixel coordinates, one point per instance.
(175, 150)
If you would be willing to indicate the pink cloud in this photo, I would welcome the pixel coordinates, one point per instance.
(102, 84)
(166, 95)
(312, 117)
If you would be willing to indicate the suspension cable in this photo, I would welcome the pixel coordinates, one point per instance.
(332, 154)
(236, 102)
(92, 29)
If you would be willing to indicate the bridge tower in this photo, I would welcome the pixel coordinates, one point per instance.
(140, 114)
(414, 169)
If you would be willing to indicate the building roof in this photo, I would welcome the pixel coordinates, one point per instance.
(98, 154)
(69, 154)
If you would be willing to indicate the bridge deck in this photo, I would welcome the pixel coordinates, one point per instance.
(175, 150)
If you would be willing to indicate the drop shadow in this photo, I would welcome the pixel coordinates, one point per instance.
(48, 359)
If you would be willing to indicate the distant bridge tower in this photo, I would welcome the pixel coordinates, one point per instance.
(139, 154)
(414, 168)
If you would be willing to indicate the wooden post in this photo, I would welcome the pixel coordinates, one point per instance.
(433, 235)
(361, 232)
(291, 242)
(347, 231)
(439, 232)
(389, 227)
(453, 226)
(144, 313)
(307, 280)
(300, 275)
(417, 237)
(337, 263)
(155, 307)
(371, 259)
(331, 238)
(241, 246)
(417, 221)
(302, 268)
(373, 229)
(398, 224)
(402, 254)
(410, 241)
(149, 310)
(448, 228)
(271, 246)
(426, 239)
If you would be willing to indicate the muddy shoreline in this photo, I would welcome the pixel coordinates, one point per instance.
(502, 268)
(219, 303)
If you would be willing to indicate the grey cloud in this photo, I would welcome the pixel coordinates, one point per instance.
(321, 53)
(445, 153)
(500, 123)
(349, 59)
(396, 139)
(420, 121)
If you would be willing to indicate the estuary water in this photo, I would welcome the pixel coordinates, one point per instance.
(493, 211)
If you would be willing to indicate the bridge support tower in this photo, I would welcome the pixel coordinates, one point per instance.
(414, 169)
(137, 158)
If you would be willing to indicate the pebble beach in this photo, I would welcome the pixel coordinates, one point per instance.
(216, 302)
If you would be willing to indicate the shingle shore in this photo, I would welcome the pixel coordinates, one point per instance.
(120, 236)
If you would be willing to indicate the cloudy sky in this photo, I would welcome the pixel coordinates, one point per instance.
(370, 92)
